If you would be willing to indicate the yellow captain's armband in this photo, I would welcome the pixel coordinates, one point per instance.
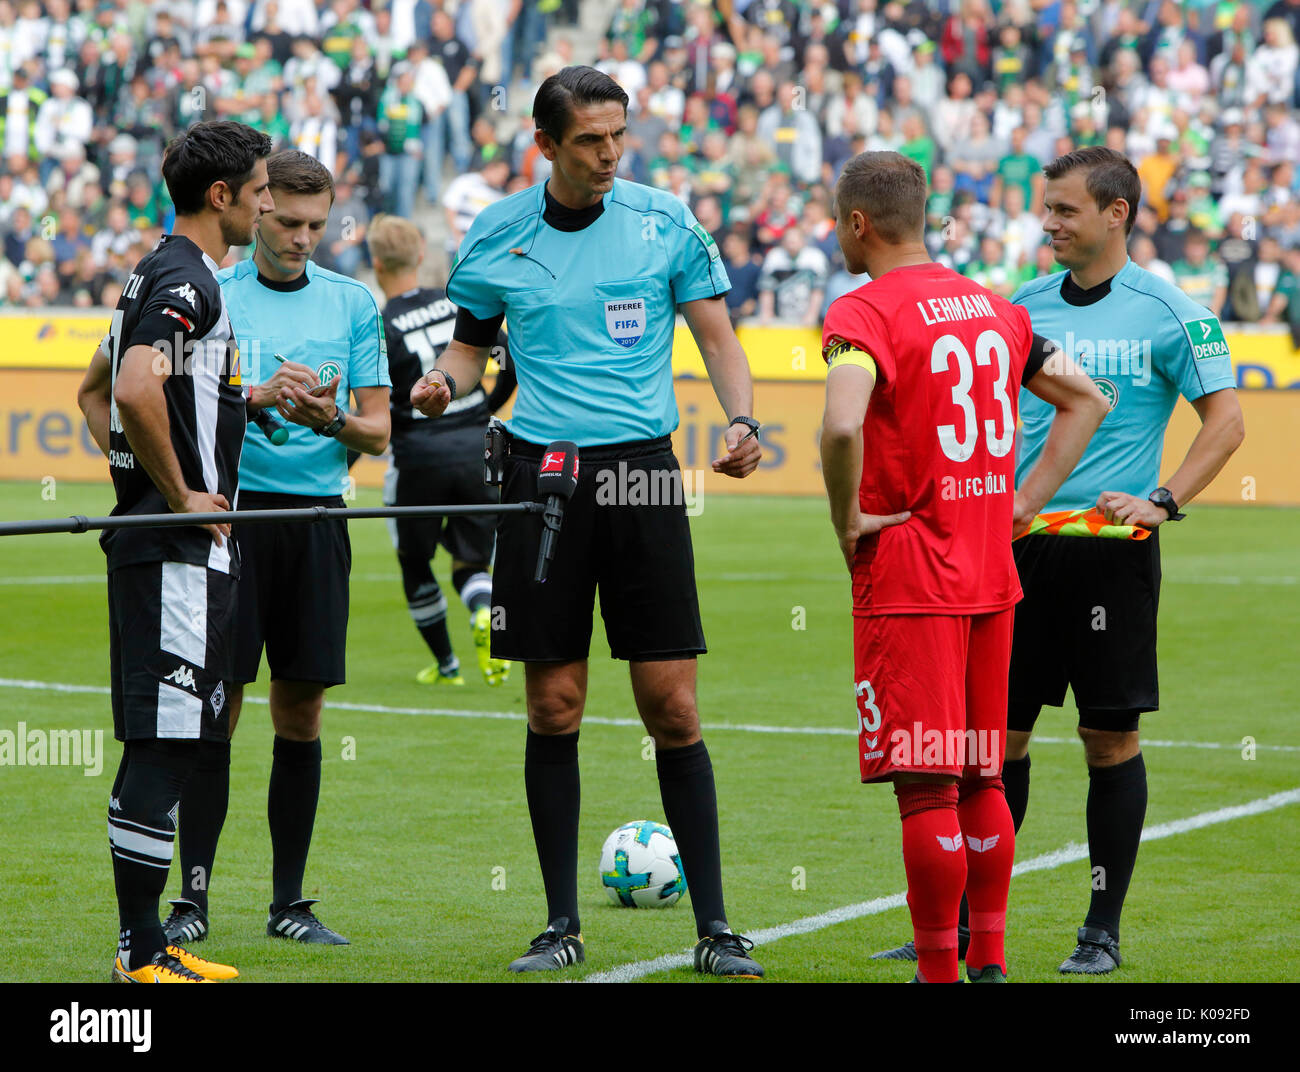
(844, 354)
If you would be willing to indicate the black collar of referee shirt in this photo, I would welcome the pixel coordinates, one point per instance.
(563, 218)
(292, 284)
(1073, 294)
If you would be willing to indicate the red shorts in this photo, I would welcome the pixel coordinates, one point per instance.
(932, 693)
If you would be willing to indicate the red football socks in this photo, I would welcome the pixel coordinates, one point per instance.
(990, 851)
(935, 861)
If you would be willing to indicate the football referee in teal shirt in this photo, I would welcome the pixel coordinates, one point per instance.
(1088, 619)
(293, 591)
(588, 271)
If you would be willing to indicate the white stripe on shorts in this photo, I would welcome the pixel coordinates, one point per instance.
(180, 714)
(183, 622)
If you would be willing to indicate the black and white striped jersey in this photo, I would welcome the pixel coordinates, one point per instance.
(418, 326)
(172, 303)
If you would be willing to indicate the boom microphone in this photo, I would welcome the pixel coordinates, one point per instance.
(557, 479)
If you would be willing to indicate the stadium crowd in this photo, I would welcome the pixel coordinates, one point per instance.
(745, 110)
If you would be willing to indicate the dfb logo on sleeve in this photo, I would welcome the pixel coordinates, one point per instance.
(625, 320)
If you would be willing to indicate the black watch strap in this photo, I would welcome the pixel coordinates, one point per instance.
(451, 383)
(335, 426)
(1162, 498)
(748, 422)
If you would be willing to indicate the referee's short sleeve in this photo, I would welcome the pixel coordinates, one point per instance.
(1192, 351)
(368, 363)
(475, 283)
(695, 262)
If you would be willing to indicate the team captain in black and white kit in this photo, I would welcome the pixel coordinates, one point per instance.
(436, 461)
(164, 400)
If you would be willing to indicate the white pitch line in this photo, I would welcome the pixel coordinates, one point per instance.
(735, 578)
(626, 973)
(90, 578)
(599, 720)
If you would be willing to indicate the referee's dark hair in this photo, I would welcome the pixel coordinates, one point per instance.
(889, 189)
(207, 153)
(573, 86)
(294, 172)
(1111, 176)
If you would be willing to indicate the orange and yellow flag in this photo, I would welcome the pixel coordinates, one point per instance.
(1090, 522)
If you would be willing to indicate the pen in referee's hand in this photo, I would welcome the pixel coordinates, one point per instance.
(282, 359)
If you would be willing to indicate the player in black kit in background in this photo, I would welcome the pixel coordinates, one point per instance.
(436, 461)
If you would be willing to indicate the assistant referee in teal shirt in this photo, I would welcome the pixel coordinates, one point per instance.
(300, 329)
(588, 272)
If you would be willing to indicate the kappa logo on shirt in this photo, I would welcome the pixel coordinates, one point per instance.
(625, 320)
(186, 293)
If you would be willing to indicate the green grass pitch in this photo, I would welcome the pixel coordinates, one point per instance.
(423, 854)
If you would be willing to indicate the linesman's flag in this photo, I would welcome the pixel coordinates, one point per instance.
(1083, 523)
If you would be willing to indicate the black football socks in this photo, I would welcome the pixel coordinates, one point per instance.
(691, 807)
(1117, 807)
(204, 803)
(553, 788)
(1015, 780)
(291, 811)
(142, 813)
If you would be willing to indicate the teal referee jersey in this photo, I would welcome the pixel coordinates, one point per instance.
(1143, 344)
(325, 321)
(591, 312)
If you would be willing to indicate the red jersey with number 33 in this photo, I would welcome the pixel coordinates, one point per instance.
(938, 439)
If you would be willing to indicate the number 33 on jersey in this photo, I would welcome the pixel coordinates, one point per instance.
(937, 439)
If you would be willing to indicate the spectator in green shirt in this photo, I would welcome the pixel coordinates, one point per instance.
(1010, 58)
(938, 206)
(1284, 306)
(917, 144)
(400, 119)
(1020, 168)
(1201, 277)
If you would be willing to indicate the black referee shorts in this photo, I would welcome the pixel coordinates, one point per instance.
(634, 548)
(1088, 621)
(293, 593)
(169, 626)
(457, 480)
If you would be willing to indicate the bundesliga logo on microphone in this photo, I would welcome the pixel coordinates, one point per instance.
(553, 462)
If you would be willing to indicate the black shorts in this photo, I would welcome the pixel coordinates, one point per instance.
(1088, 621)
(293, 593)
(457, 481)
(169, 627)
(636, 553)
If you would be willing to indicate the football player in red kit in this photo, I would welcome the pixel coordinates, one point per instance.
(924, 373)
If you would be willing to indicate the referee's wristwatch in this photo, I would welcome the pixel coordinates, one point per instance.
(335, 426)
(749, 423)
(1161, 497)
